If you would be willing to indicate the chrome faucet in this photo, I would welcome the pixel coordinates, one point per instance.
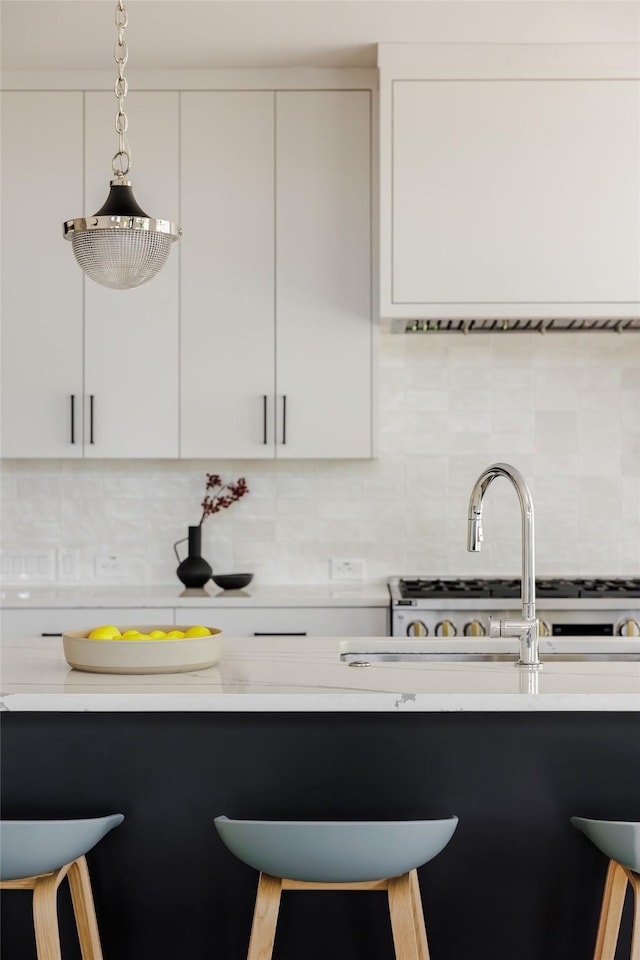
(527, 627)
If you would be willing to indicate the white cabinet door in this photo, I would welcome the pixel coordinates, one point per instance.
(276, 333)
(132, 336)
(227, 325)
(41, 283)
(511, 197)
(323, 265)
(292, 621)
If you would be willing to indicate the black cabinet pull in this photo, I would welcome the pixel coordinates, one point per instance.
(73, 418)
(264, 418)
(279, 633)
(51, 634)
(284, 418)
(91, 398)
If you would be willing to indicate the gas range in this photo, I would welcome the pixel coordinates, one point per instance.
(565, 606)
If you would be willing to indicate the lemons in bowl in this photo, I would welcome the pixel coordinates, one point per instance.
(147, 648)
(112, 633)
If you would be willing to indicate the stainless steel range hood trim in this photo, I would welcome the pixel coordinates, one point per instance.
(518, 325)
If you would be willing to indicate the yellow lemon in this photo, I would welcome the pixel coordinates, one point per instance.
(105, 633)
(175, 635)
(131, 635)
(157, 635)
(198, 632)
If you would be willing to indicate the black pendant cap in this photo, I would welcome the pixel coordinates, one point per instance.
(121, 203)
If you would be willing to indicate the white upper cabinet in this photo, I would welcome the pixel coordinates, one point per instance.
(276, 348)
(227, 323)
(41, 284)
(132, 336)
(510, 188)
(256, 338)
(86, 371)
(323, 268)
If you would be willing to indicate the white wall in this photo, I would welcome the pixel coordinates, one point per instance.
(564, 409)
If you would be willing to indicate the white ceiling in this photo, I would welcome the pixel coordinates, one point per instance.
(79, 34)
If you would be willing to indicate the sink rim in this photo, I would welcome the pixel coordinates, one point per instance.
(458, 649)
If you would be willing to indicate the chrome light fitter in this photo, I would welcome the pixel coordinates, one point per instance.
(424, 607)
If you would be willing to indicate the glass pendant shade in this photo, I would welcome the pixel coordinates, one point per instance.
(120, 246)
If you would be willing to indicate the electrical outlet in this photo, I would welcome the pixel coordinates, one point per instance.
(347, 569)
(68, 570)
(109, 566)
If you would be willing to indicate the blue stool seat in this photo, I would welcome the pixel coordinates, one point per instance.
(338, 855)
(335, 851)
(37, 855)
(619, 840)
(31, 847)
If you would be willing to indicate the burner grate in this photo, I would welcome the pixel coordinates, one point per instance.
(442, 589)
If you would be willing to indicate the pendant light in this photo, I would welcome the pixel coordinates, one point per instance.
(121, 246)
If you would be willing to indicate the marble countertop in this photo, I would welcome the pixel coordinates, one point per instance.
(305, 674)
(358, 594)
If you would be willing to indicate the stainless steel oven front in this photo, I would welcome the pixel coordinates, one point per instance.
(424, 607)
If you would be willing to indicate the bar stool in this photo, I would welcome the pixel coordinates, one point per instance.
(37, 855)
(620, 841)
(338, 855)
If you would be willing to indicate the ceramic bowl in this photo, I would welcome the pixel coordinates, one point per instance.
(232, 581)
(335, 851)
(142, 656)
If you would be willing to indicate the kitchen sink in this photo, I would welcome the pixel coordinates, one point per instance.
(471, 650)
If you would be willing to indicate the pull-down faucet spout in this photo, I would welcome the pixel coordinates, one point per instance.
(526, 628)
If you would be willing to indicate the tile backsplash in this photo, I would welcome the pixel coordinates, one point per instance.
(564, 409)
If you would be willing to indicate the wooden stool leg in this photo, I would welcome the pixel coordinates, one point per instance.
(403, 918)
(611, 912)
(265, 918)
(418, 916)
(45, 917)
(84, 910)
(634, 880)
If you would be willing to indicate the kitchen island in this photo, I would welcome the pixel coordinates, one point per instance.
(280, 728)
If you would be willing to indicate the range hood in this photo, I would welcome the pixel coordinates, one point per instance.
(519, 325)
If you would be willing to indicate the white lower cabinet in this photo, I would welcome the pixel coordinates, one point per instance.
(28, 624)
(31, 623)
(292, 621)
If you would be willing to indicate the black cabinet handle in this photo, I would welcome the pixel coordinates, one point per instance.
(51, 634)
(284, 418)
(73, 418)
(279, 633)
(264, 418)
(91, 398)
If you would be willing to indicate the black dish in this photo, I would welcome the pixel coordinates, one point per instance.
(232, 581)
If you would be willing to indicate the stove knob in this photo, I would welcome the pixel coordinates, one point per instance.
(417, 629)
(628, 628)
(445, 629)
(474, 629)
(544, 630)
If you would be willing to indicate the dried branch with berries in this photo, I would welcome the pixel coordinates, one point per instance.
(219, 495)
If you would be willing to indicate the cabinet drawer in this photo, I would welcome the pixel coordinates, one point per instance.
(305, 621)
(32, 623)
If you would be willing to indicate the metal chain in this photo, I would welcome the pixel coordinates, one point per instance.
(122, 160)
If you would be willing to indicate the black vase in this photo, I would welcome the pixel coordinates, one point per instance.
(194, 571)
